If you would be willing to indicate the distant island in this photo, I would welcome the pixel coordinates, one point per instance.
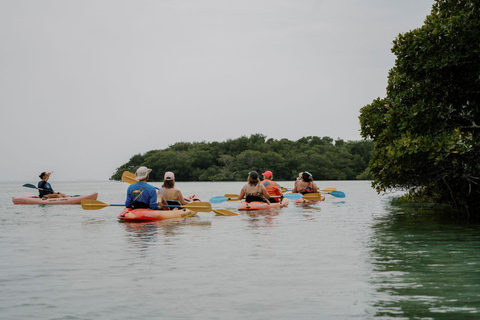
(231, 160)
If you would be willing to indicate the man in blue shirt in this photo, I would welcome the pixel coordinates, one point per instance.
(141, 194)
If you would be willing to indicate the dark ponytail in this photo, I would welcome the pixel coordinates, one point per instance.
(307, 176)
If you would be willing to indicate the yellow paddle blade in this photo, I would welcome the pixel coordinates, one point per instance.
(283, 190)
(129, 177)
(93, 204)
(224, 212)
(231, 196)
(328, 190)
(198, 206)
(312, 196)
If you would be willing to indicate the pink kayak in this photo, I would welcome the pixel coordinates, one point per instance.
(256, 205)
(51, 201)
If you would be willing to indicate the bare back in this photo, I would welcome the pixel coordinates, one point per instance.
(303, 187)
(173, 194)
(248, 189)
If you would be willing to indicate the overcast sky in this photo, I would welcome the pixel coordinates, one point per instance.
(85, 85)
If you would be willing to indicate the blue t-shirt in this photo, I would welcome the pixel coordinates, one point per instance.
(44, 188)
(142, 192)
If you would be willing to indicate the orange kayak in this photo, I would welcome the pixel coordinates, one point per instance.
(50, 201)
(257, 205)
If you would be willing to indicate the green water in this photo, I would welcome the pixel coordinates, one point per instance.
(426, 265)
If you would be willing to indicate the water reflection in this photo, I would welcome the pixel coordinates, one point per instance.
(308, 210)
(94, 225)
(142, 234)
(425, 265)
(262, 218)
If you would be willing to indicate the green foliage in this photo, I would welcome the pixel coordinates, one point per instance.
(424, 130)
(233, 159)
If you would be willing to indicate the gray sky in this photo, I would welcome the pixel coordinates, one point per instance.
(85, 85)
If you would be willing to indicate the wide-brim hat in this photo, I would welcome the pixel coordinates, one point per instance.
(142, 173)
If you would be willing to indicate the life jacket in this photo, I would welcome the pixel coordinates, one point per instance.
(140, 205)
(273, 190)
(140, 196)
(45, 189)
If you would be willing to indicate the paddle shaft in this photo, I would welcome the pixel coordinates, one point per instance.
(33, 187)
(95, 204)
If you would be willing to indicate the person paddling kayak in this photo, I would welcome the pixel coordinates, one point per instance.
(272, 187)
(141, 194)
(45, 189)
(306, 184)
(254, 190)
(171, 195)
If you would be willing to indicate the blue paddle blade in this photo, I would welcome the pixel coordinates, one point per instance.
(28, 185)
(218, 199)
(293, 196)
(338, 194)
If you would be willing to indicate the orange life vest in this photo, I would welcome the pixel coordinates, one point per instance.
(272, 188)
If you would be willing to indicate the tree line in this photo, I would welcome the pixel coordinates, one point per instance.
(233, 159)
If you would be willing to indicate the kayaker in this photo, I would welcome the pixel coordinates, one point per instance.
(172, 195)
(305, 185)
(272, 187)
(45, 189)
(254, 190)
(141, 194)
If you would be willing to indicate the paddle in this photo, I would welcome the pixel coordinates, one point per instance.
(96, 205)
(195, 206)
(326, 190)
(220, 199)
(28, 185)
(337, 194)
(234, 197)
(129, 178)
(318, 196)
(224, 212)
(312, 196)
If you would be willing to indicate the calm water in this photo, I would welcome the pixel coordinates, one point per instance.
(353, 258)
